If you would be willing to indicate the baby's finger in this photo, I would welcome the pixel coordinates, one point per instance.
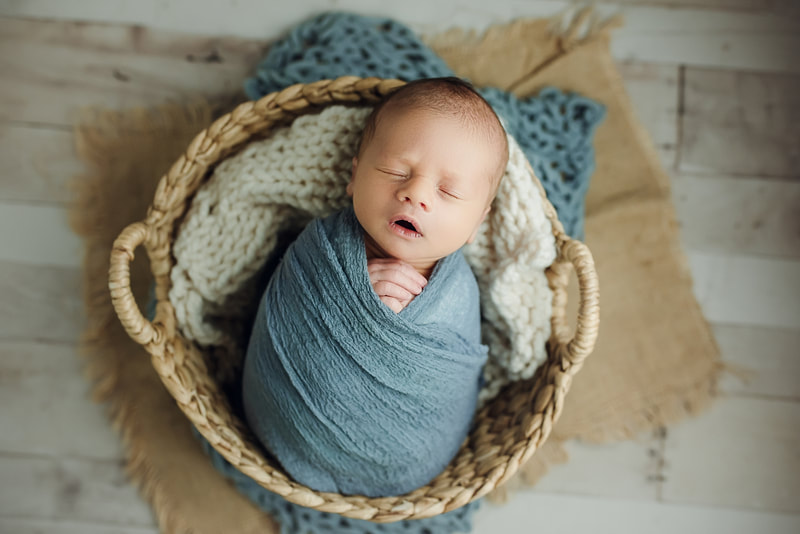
(394, 304)
(385, 288)
(398, 272)
(395, 278)
(407, 269)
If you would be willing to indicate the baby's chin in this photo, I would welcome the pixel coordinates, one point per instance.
(422, 262)
(409, 252)
(404, 255)
(414, 260)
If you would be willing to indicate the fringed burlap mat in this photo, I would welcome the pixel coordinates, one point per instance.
(655, 362)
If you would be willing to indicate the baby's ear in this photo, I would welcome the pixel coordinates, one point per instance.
(352, 176)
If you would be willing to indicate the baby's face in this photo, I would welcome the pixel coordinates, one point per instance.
(421, 186)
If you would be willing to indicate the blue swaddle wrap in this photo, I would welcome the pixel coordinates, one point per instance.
(347, 395)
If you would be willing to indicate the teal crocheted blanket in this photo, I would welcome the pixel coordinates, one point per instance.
(294, 519)
(554, 129)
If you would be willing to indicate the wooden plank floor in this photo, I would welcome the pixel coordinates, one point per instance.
(715, 82)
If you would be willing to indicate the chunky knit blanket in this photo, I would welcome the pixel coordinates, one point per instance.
(349, 396)
(554, 129)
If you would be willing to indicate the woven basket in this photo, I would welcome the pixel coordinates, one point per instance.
(508, 429)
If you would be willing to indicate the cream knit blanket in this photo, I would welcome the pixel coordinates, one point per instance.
(274, 186)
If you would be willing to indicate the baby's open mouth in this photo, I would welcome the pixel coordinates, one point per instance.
(406, 224)
(406, 227)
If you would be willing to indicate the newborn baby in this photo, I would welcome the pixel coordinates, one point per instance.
(363, 368)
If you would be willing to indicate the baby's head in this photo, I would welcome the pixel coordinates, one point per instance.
(428, 166)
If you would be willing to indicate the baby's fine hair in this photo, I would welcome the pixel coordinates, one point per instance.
(449, 96)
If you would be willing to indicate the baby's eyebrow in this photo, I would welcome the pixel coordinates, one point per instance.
(395, 158)
(449, 176)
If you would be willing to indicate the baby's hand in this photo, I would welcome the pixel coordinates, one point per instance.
(395, 281)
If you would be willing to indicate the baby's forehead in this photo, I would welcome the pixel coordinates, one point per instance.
(470, 115)
(472, 127)
(478, 122)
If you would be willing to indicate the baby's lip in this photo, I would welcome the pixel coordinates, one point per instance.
(408, 219)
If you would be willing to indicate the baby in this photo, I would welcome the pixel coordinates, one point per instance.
(363, 368)
(428, 166)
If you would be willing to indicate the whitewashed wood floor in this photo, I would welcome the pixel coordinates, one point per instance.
(716, 83)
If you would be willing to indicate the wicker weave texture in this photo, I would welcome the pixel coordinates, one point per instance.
(507, 431)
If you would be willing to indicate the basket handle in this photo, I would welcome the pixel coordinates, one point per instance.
(581, 344)
(119, 283)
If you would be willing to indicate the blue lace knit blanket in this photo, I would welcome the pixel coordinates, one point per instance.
(554, 129)
(294, 519)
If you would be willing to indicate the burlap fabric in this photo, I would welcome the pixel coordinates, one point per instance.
(655, 361)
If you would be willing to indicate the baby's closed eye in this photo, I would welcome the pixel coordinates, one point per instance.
(450, 193)
(395, 173)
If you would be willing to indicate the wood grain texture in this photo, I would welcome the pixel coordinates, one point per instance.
(745, 34)
(112, 66)
(38, 235)
(738, 215)
(625, 470)
(36, 164)
(73, 489)
(654, 92)
(47, 405)
(761, 40)
(742, 453)
(741, 123)
(568, 514)
(18, 525)
(766, 361)
(747, 290)
(40, 303)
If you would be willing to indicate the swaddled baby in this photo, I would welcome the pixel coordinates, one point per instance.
(363, 368)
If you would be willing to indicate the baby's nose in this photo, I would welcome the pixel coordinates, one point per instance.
(417, 191)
